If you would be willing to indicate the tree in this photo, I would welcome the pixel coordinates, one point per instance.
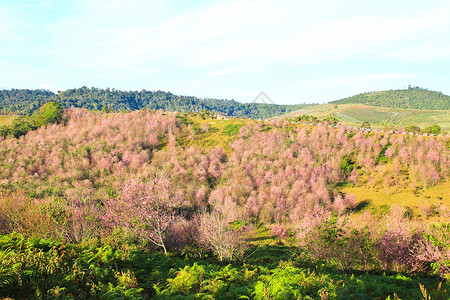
(413, 128)
(216, 234)
(433, 129)
(49, 113)
(331, 119)
(4, 130)
(365, 124)
(20, 126)
(147, 209)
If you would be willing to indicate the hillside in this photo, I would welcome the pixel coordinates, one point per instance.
(378, 117)
(154, 205)
(411, 98)
(24, 101)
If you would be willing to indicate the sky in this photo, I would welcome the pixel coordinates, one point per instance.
(295, 51)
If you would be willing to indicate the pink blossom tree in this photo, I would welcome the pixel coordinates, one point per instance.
(147, 209)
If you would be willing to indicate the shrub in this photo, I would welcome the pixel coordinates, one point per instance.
(216, 234)
(328, 237)
(280, 231)
(28, 216)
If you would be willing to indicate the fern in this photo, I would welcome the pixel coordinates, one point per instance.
(9, 276)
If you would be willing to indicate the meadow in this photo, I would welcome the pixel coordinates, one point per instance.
(146, 204)
(378, 117)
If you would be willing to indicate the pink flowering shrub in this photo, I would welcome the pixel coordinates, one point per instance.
(328, 237)
(391, 243)
(270, 173)
(433, 250)
(280, 231)
(275, 175)
(181, 233)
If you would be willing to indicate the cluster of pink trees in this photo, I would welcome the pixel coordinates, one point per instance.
(88, 148)
(269, 175)
(392, 242)
(137, 167)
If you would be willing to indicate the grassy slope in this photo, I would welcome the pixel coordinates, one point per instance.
(355, 114)
(376, 196)
(6, 120)
(418, 201)
(216, 135)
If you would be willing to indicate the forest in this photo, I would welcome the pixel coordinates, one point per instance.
(24, 101)
(162, 205)
(411, 98)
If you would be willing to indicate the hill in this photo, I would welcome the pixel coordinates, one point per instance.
(411, 98)
(154, 205)
(24, 101)
(378, 117)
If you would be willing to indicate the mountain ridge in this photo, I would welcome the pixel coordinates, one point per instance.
(24, 101)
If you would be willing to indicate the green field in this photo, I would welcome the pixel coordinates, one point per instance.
(378, 117)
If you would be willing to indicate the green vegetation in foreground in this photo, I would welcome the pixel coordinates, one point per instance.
(411, 98)
(26, 101)
(44, 269)
(378, 117)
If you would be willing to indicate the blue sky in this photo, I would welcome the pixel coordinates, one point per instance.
(295, 51)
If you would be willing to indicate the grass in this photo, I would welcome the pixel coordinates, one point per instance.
(355, 114)
(6, 120)
(220, 132)
(419, 201)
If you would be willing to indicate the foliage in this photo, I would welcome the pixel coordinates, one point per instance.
(38, 268)
(305, 118)
(413, 128)
(327, 237)
(49, 113)
(24, 101)
(433, 129)
(397, 244)
(365, 125)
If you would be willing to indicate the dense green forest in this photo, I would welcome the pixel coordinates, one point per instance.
(24, 101)
(411, 98)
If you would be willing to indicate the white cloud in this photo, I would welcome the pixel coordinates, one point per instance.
(253, 33)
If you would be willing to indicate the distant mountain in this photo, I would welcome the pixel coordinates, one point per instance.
(411, 98)
(24, 101)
